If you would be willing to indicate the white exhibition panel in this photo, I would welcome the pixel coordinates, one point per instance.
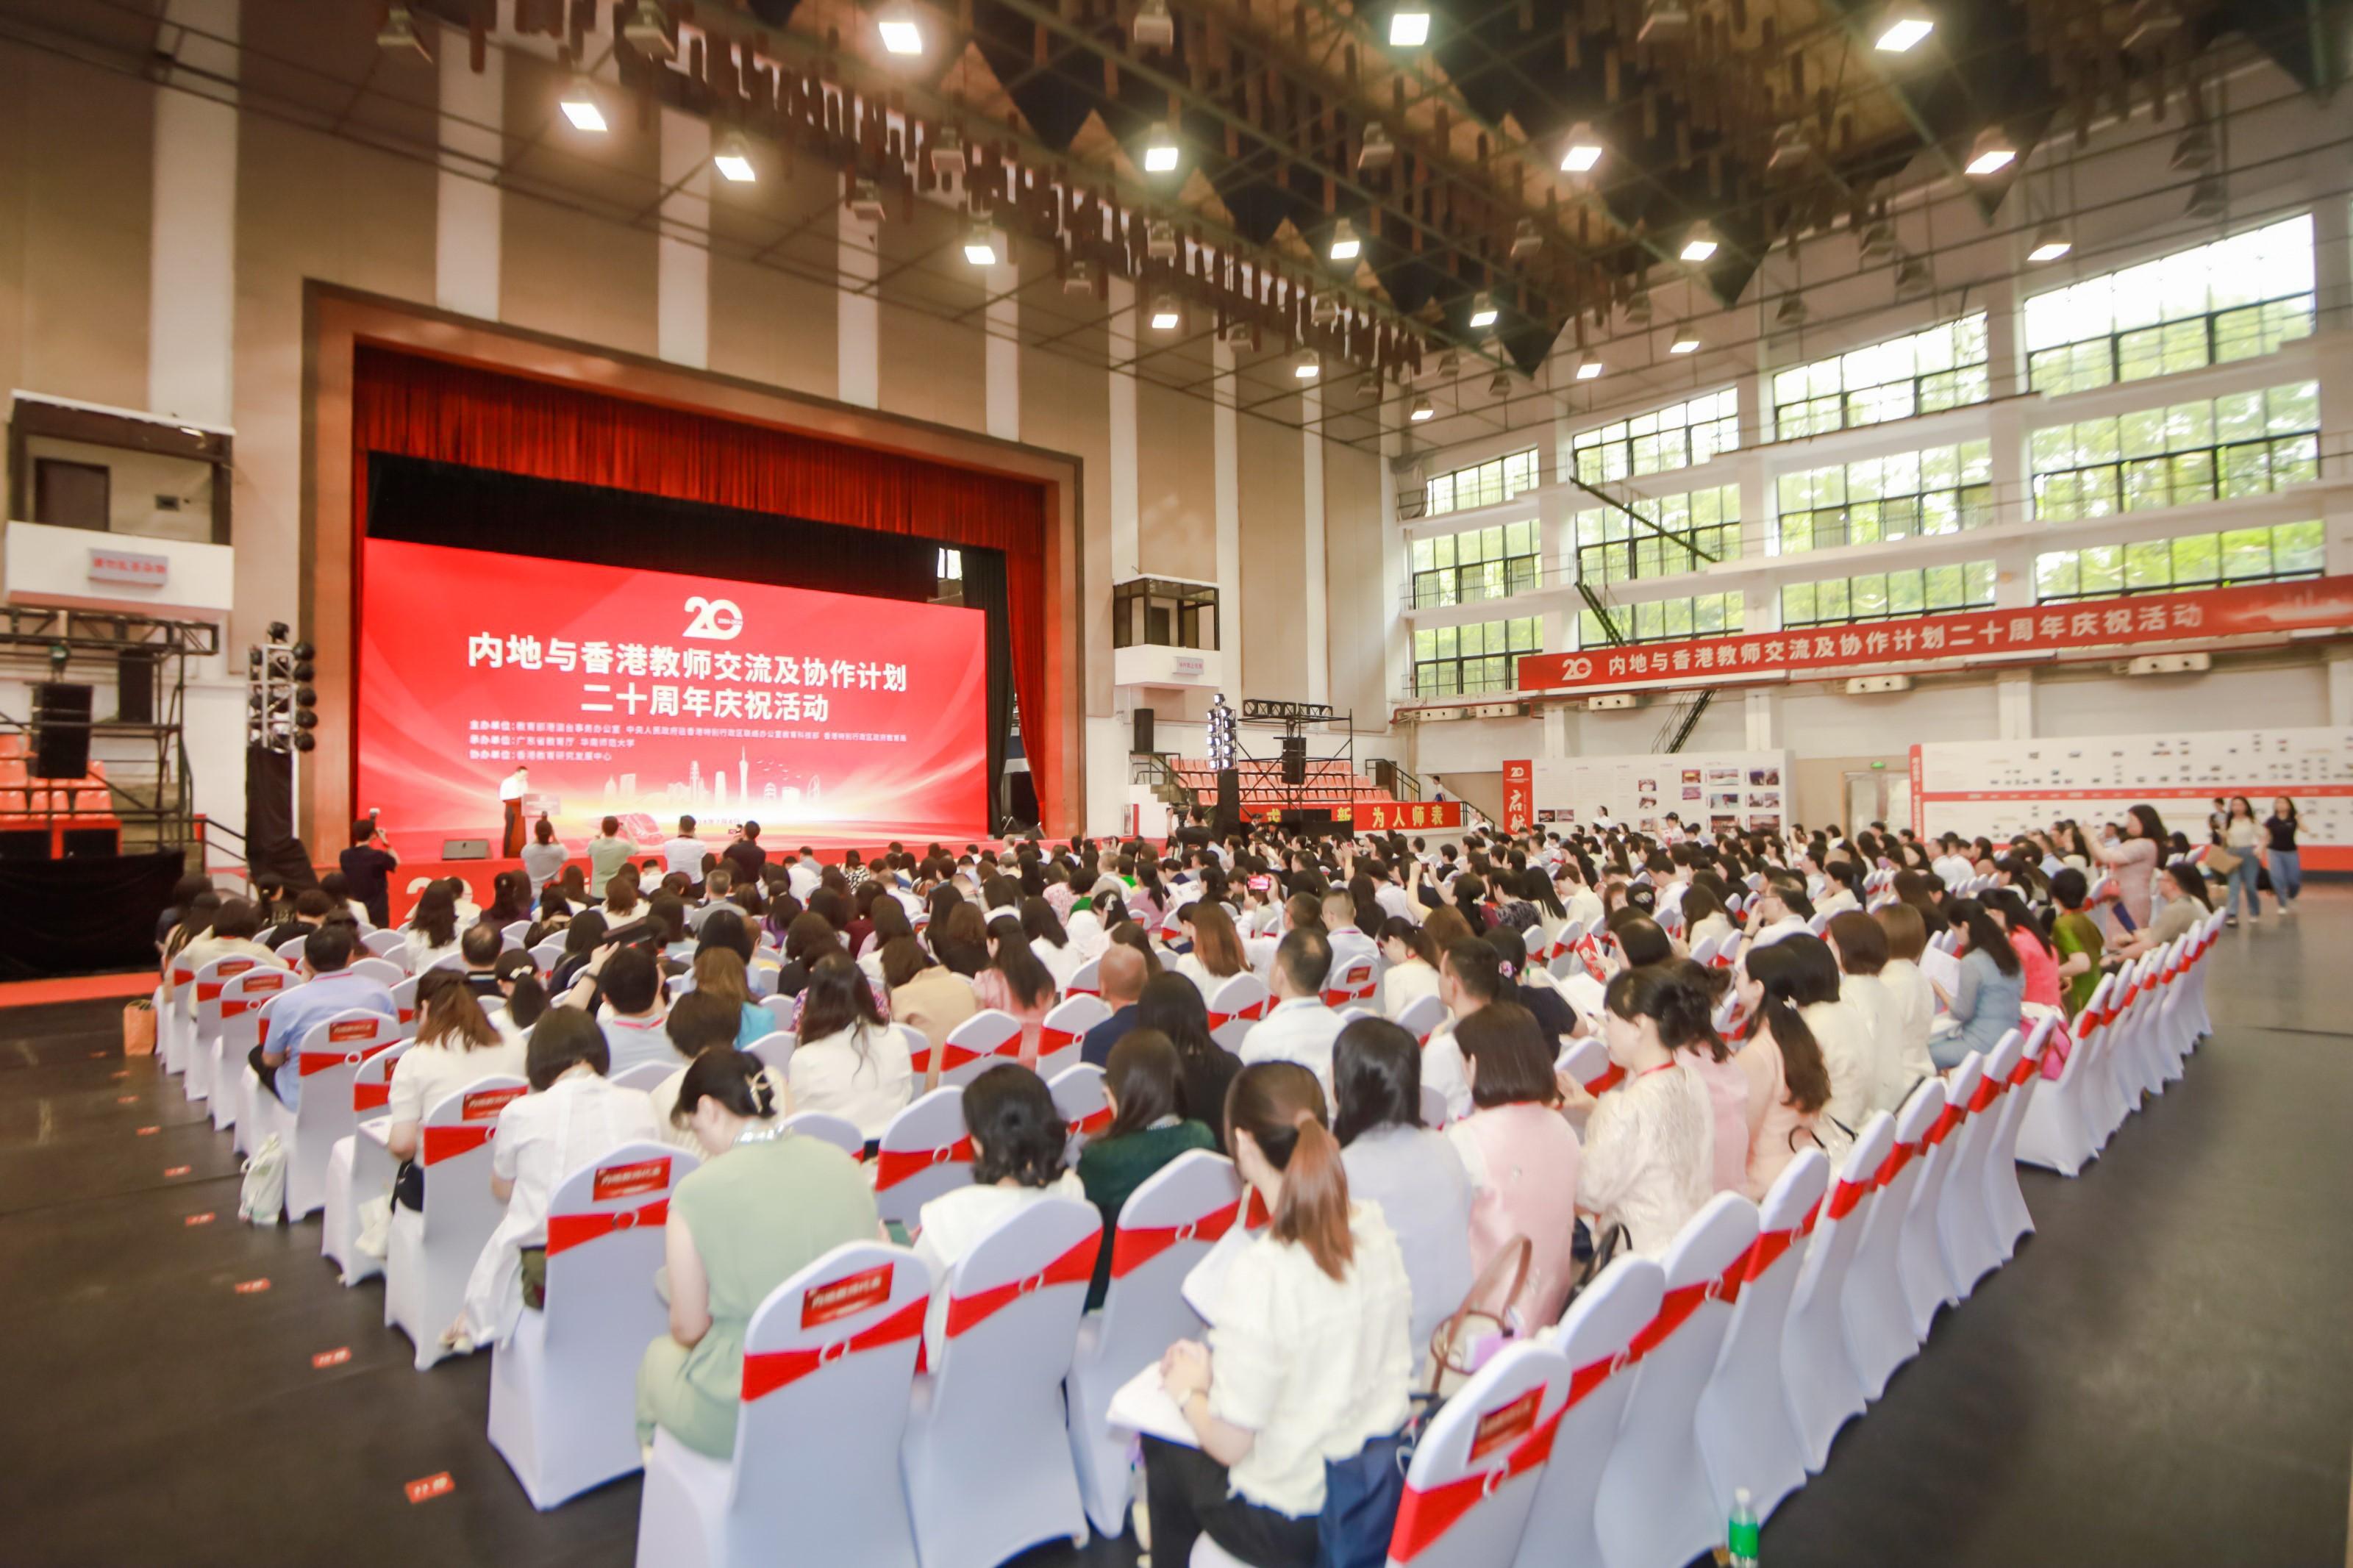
(1998, 788)
(1715, 789)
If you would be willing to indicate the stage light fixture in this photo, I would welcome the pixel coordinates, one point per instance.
(647, 31)
(982, 244)
(1160, 155)
(1422, 411)
(1583, 152)
(400, 38)
(1345, 246)
(1164, 314)
(1376, 150)
(1991, 154)
(2051, 243)
(1686, 341)
(1483, 309)
(902, 31)
(1308, 366)
(1699, 244)
(580, 105)
(1154, 27)
(1408, 27)
(1589, 368)
(1901, 27)
(733, 158)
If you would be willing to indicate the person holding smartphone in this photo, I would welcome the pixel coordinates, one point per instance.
(367, 867)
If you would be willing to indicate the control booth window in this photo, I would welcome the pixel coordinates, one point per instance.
(1157, 612)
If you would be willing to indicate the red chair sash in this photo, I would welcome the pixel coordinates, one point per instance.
(1602, 1082)
(1076, 1267)
(893, 1166)
(1051, 1040)
(370, 1097)
(1770, 1246)
(1897, 1158)
(440, 1143)
(955, 1056)
(1132, 1248)
(566, 1231)
(768, 1371)
(320, 1061)
(1254, 1012)
(1990, 1088)
(1424, 1516)
(1677, 1305)
(1951, 1117)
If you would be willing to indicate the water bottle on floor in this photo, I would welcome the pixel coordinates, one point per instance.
(1740, 1531)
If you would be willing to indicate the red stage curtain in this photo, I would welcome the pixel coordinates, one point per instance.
(453, 412)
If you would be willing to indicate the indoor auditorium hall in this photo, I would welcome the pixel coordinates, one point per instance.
(1404, 783)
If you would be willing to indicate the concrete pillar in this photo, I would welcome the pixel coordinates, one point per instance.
(682, 255)
(1127, 483)
(2341, 688)
(1761, 716)
(1316, 600)
(467, 203)
(1226, 478)
(1003, 348)
(858, 311)
(2014, 705)
(192, 269)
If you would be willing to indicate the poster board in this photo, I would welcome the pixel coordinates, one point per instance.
(1998, 788)
(1713, 790)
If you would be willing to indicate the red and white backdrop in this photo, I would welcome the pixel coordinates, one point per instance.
(2002, 787)
(2268, 612)
(647, 694)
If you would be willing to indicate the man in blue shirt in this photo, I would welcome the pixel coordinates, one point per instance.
(1120, 972)
(330, 988)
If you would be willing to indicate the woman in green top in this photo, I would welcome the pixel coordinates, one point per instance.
(1145, 1132)
(2076, 936)
(764, 1206)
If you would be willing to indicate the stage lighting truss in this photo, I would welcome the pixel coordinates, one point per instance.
(280, 704)
(1221, 734)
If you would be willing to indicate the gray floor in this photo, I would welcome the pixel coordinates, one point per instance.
(2163, 1375)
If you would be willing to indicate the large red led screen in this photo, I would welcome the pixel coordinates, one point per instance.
(645, 695)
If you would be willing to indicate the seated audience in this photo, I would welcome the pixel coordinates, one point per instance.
(1016, 983)
(630, 979)
(1412, 973)
(330, 988)
(2187, 902)
(1988, 1000)
(1410, 1171)
(1521, 1155)
(1309, 1357)
(848, 1062)
(431, 934)
(1120, 972)
(1915, 1012)
(699, 1021)
(1708, 1059)
(311, 908)
(763, 1205)
(1896, 1057)
(2076, 936)
(1049, 942)
(1299, 1027)
(1018, 1142)
(455, 1045)
(2038, 963)
(234, 934)
(1648, 1153)
(719, 972)
(1171, 1004)
(571, 1116)
(1144, 1086)
(1788, 1085)
(1217, 956)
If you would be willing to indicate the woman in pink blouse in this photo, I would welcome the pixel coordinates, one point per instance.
(1016, 982)
(2134, 859)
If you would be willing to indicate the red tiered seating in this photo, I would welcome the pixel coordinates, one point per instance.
(1329, 783)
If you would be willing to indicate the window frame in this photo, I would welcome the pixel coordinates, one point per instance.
(1971, 597)
(2125, 588)
(1970, 503)
(1435, 586)
(1514, 473)
(1675, 618)
(2061, 494)
(1848, 396)
(1721, 421)
(1444, 674)
(1622, 541)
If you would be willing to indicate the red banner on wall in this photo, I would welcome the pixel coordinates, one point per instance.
(1406, 815)
(1519, 796)
(2267, 609)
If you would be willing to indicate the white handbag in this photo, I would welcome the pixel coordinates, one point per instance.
(262, 1199)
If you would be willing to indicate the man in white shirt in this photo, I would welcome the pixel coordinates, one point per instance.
(1390, 894)
(1584, 905)
(1670, 878)
(803, 873)
(1465, 988)
(1782, 909)
(683, 853)
(632, 1019)
(1299, 1027)
(1349, 944)
(1953, 866)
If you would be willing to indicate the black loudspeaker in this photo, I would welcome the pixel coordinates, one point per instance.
(1229, 800)
(60, 730)
(465, 849)
(1295, 759)
(24, 844)
(1142, 731)
(135, 689)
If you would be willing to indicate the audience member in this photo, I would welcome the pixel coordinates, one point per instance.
(1412, 972)
(849, 1063)
(630, 980)
(1018, 1142)
(1016, 983)
(1410, 1171)
(2076, 936)
(1120, 973)
(607, 853)
(455, 1046)
(1217, 956)
(330, 988)
(366, 868)
(1520, 1155)
(1148, 1129)
(1171, 1004)
(1988, 999)
(928, 997)
(431, 934)
(543, 857)
(1299, 1027)
(1788, 1085)
(1649, 1150)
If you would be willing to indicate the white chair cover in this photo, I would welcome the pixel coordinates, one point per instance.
(980, 1042)
(1481, 1462)
(922, 1153)
(432, 1252)
(359, 1167)
(1241, 1001)
(1927, 1277)
(1818, 1372)
(1066, 1023)
(1745, 1433)
(1964, 1228)
(837, 1130)
(1879, 1331)
(1593, 1337)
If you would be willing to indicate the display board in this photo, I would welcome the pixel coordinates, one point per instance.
(1711, 791)
(646, 695)
(1998, 788)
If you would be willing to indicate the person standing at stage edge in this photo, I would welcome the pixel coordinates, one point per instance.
(746, 855)
(367, 867)
(607, 853)
(510, 793)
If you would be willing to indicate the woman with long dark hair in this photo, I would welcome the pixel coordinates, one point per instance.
(1172, 1005)
(1410, 1170)
(1217, 956)
(2040, 962)
(1790, 1085)
(1143, 1081)
(1049, 943)
(432, 932)
(2242, 837)
(1648, 1143)
(2134, 859)
(1988, 999)
(1311, 1354)
(2282, 858)
(1519, 1152)
(848, 1062)
(1017, 1143)
(1016, 983)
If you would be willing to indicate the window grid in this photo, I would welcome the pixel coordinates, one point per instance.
(1614, 548)
(2236, 298)
(1944, 489)
(2278, 553)
(1926, 371)
(2241, 444)
(1665, 620)
(1483, 657)
(1480, 564)
(1679, 436)
(1482, 484)
(1887, 595)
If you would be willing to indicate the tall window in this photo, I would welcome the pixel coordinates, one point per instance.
(1944, 489)
(1693, 529)
(1483, 564)
(2236, 298)
(1664, 620)
(1921, 372)
(2225, 560)
(951, 565)
(1456, 661)
(1680, 436)
(1482, 484)
(2241, 444)
(1886, 595)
